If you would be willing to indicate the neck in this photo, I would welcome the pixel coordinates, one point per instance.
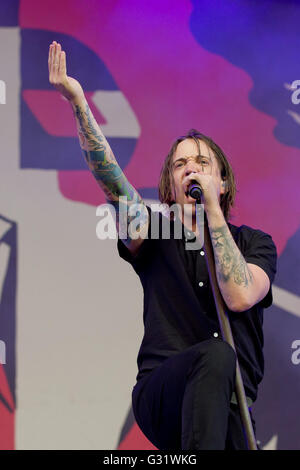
(188, 219)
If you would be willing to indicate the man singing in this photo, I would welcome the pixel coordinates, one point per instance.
(184, 394)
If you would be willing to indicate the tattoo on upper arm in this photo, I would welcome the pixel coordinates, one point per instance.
(230, 264)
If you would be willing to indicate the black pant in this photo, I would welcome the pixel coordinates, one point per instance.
(184, 404)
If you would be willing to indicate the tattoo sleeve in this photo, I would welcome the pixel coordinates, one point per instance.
(103, 165)
(230, 264)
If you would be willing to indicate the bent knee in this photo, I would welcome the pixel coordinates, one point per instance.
(217, 355)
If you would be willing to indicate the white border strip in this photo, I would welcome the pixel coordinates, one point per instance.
(286, 300)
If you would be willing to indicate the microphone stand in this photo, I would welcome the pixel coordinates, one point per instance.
(226, 332)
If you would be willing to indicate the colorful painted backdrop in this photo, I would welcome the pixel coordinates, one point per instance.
(70, 309)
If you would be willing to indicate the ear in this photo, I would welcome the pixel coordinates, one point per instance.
(223, 186)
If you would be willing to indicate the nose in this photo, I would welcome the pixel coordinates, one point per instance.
(189, 172)
(192, 167)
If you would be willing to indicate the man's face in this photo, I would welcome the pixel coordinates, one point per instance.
(187, 160)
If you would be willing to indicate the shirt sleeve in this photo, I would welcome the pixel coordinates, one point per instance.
(143, 254)
(261, 250)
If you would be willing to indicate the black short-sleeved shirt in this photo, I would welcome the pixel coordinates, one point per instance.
(179, 309)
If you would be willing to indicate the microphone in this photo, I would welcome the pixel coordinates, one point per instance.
(195, 190)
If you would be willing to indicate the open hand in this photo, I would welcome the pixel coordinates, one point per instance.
(67, 86)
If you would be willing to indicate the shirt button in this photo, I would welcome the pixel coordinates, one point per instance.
(202, 253)
(200, 283)
(216, 334)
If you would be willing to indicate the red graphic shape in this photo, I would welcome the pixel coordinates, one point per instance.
(136, 440)
(7, 416)
(54, 113)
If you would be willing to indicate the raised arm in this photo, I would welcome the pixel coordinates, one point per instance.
(97, 152)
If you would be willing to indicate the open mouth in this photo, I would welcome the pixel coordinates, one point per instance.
(187, 190)
(188, 196)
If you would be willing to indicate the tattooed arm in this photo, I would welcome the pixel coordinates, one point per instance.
(242, 284)
(97, 152)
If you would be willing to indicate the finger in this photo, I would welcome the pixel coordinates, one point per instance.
(49, 58)
(57, 56)
(53, 53)
(58, 60)
(62, 64)
(55, 63)
(51, 61)
(192, 176)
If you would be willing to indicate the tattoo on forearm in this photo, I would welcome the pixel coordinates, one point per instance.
(99, 156)
(103, 164)
(89, 129)
(230, 264)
